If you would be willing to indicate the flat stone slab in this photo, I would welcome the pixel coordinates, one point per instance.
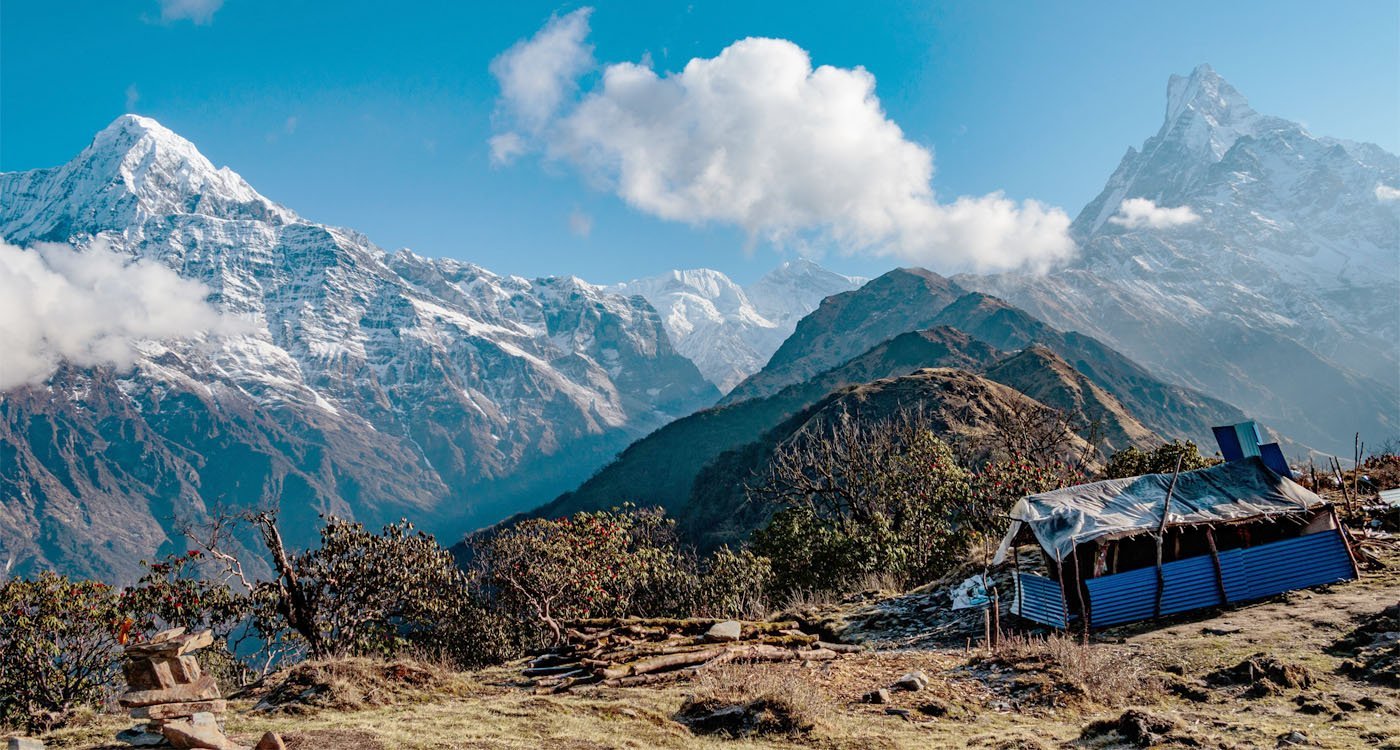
(203, 689)
(172, 646)
(179, 710)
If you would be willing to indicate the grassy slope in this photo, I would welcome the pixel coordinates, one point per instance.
(481, 712)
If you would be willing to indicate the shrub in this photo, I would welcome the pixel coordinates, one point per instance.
(601, 564)
(769, 701)
(863, 499)
(59, 646)
(175, 593)
(735, 584)
(1132, 462)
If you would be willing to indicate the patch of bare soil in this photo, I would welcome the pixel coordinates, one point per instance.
(1373, 648)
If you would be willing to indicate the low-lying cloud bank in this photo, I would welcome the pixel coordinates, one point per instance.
(1144, 213)
(89, 308)
(758, 138)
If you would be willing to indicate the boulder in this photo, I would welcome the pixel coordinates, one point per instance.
(912, 681)
(24, 743)
(877, 696)
(153, 673)
(270, 741)
(203, 689)
(198, 731)
(729, 630)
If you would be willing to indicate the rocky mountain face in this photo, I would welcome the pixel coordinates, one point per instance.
(727, 330)
(1282, 296)
(696, 467)
(914, 299)
(369, 384)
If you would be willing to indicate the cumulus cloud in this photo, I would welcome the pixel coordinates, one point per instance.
(536, 75)
(1137, 213)
(200, 12)
(1387, 193)
(758, 138)
(580, 223)
(89, 308)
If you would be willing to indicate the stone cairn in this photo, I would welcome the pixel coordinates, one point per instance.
(177, 704)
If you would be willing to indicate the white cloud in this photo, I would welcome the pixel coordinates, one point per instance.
(1137, 213)
(133, 95)
(199, 12)
(89, 308)
(506, 147)
(290, 126)
(758, 138)
(580, 223)
(1387, 193)
(537, 74)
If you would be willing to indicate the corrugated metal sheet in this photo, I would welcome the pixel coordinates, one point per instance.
(1038, 598)
(1391, 497)
(1310, 560)
(1189, 584)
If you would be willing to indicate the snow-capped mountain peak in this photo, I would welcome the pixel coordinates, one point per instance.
(727, 330)
(1284, 288)
(368, 383)
(1206, 110)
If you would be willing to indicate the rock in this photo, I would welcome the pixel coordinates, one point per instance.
(166, 635)
(1293, 739)
(24, 743)
(876, 696)
(198, 731)
(1136, 726)
(902, 713)
(140, 736)
(179, 710)
(937, 708)
(912, 682)
(171, 647)
(270, 741)
(203, 689)
(729, 630)
(156, 672)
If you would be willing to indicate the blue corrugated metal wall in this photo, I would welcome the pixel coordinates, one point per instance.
(1252, 573)
(1310, 560)
(1039, 600)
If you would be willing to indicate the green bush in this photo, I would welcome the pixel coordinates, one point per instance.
(1132, 462)
(861, 500)
(601, 564)
(59, 648)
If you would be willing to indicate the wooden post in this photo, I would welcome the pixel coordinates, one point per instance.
(1064, 598)
(996, 622)
(1161, 532)
(1079, 591)
(1346, 541)
(1215, 558)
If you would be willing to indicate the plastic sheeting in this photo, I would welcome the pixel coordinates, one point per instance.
(1233, 491)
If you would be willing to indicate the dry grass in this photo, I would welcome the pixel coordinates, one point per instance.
(769, 701)
(1100, 673)
(353, 684)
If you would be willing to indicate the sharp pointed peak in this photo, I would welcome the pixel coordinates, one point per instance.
(1205, 91)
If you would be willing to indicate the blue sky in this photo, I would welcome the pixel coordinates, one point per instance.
(377, 115)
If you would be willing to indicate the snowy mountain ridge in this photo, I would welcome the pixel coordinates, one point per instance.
(729, 331)
(1283, 298)
(372, 385)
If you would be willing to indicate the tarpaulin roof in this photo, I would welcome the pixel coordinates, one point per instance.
(1233, 491)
